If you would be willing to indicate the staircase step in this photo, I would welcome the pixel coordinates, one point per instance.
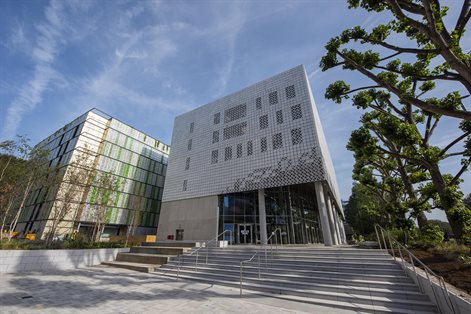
(301, 257)
(359, 308)
(159, 250)
(143, 258)
(336, 274)
(328, 278)
(287, 264)
(400, 302)
(145, 268)
(170, 244)
(332, 287)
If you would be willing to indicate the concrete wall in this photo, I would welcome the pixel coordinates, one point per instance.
(17, 261)
(197, 216)
(454, 305)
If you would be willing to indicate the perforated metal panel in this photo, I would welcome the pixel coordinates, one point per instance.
(291, 149)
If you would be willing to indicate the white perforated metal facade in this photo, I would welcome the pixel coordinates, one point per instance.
(266, 135)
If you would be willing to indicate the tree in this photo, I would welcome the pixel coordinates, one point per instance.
(136, 203)
(384, 133)
(438, 56)
(396, 127)
(105, 187)
(467, 201)
(389, 178)
(8, 187)
(68, 185)
(11, 150)
(34, 171)
(365, 209)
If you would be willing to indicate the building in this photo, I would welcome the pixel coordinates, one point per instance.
(138, 161)
(252, 162)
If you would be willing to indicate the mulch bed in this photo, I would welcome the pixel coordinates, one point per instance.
(451, 269)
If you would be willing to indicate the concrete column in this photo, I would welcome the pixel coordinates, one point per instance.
(342, 230)
(321, 204)
(262, 216)
(337, 224)
(330, 215)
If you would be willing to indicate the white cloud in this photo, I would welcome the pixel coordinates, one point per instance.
(44, 53)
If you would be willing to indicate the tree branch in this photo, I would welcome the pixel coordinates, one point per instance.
(466, 115)
(457, 140)
(463, 19)
(421, 77)
(454, 154)
(458, 175)
(437, 38)
(361, 88)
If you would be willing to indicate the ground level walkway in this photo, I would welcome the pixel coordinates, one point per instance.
(109, 290)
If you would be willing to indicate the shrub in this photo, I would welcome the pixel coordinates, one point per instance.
(430, 236)
(56, 245)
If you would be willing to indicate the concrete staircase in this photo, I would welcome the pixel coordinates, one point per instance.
(150, 256)
(357, 279)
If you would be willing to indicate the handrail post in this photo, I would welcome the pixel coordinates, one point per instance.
(384, 241)
(241, 265)
(415, 272)
(377, 236)
(402, 259)
(258, 266)
(196, 264)
(178, 269)
(391, 245)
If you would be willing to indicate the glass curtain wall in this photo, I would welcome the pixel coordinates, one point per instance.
(293, 209)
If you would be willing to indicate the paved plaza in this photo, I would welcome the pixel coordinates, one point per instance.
(108, 290)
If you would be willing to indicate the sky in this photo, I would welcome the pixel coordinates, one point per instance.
(145, 62)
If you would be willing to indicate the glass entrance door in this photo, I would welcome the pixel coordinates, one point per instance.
(245, 233)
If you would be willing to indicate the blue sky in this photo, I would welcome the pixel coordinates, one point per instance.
(145, 62)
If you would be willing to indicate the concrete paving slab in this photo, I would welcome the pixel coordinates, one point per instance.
(111, 290)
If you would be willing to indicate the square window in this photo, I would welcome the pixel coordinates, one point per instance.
(215, 136)
(258, 103)
(187, 164)
(277, 141)
(263, 122)
(296, 112)
(279, 117)
(263, 144)
(239, 150)
(249, 148)
(228, 153)
(273, 98)
(296, 136)
(290, 92)
(235, 113)
(217, 118)
(214, 156)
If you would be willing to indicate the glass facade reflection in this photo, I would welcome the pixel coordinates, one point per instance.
(292, 208)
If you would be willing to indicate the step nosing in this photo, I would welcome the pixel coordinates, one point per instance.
(355, 296)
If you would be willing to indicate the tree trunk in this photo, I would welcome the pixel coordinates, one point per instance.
(17, 216)
(421, 218)
(456, 224)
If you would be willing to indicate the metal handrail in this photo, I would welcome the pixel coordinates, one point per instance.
(242, 268)
(271, 244)
(412, 257)
(197, 251)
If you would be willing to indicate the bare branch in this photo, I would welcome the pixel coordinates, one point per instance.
(464, 17)
(457, 140)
